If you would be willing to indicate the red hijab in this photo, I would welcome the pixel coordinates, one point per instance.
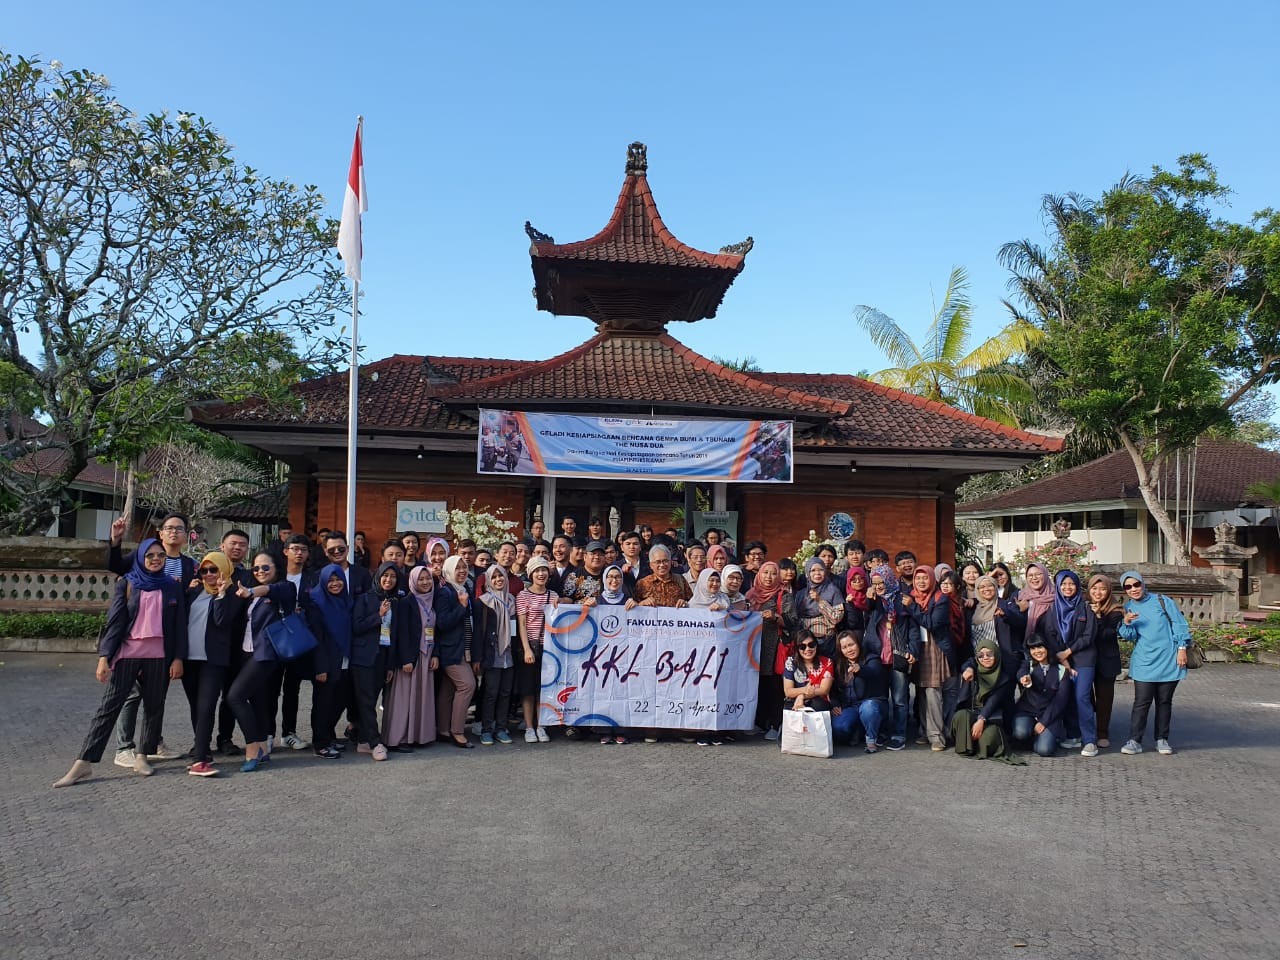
(857, 595)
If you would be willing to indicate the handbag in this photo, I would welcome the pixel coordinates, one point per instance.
(290, 637)
(807, 733)
(1195, 652)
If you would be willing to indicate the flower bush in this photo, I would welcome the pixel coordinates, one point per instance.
(1240, 642)
(484, 525)
(808, 547)
(1056, 555)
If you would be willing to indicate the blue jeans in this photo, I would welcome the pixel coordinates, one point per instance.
(1024, 728)
(1084, 715)
(899, 704)
(865, 716)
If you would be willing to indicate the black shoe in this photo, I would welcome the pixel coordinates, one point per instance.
(462, 744)
(340, 745)
(228, 749)
(328, 753)
(401, 748)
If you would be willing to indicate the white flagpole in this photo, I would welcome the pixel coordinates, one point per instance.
(353, 386)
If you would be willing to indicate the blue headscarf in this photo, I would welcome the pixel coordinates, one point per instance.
(335, 609)
(140, 576)
(1064, 610)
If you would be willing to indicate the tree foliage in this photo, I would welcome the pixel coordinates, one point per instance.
(1160, 318)
(982, 380)
(141, 267)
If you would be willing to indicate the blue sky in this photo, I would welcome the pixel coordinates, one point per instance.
(867, 149)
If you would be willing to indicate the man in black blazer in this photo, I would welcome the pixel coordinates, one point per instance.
(359, 579)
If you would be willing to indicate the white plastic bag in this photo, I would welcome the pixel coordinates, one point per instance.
(807, 733)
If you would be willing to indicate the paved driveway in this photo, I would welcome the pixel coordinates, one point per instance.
(577, 850)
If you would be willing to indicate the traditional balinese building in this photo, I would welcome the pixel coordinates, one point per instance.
(869, 460)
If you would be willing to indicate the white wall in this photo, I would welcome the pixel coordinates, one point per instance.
(1114, 545)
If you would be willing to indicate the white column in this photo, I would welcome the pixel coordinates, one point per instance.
(719, 497)
(549, 506)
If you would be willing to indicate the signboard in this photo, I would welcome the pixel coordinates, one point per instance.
(422, 516)
(726, 521)
(566, 445)
(679, 669)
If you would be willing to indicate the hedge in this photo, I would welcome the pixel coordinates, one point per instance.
(66, 625)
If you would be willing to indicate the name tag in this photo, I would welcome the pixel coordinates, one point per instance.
(428, 634)
(384, 635)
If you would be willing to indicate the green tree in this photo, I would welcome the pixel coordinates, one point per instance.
(943, 368)
(141, 267)
(1160, 318)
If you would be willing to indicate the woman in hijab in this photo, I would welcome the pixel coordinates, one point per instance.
(436, 553)
(1036, 598)
(856, 603)
(454, 610)
(144, 642)
(717, 558)
(409, 706)
(496, 634)
(733, 577)
(998, 621)
(1108, 611)
(613, 590)
(707, 593)
(978, 731)
(1069, 633)
(373, 617)
(329, 616)
(820, 606)
(932, 612)
(777, 610)
(1160, 636)
(893, 635)
(209, 623)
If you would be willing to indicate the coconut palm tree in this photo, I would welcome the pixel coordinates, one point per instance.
(943, 368)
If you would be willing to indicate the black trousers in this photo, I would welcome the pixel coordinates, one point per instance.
(226, 716)
(290, 685)
(366, 683)
(202, 682)
(769, 704)
(153, 677)
(325, 707)
(250, 698)
(498, 683)
(1143, 693)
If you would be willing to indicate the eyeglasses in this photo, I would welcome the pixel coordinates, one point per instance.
(264, 568)
(153, 556)
(209, 571)
(172, 529)
(986, 654)
(756, 555)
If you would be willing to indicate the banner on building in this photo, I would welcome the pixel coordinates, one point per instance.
(680, 669)
(566, 445)
(724, 522)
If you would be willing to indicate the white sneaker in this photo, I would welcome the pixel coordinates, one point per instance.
(541, 734)
(772, 735)
(1131, 747)
(125, 758)
(1090, 750)
(1162, 747)
(531, 735)
(1071, 744)
(295, 742)
(164, 753)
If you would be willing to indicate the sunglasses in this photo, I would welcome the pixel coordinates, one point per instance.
(986, 654)
(808, 646)
(264, 568)
(1133, 585)
(335, 550)
(208, 571)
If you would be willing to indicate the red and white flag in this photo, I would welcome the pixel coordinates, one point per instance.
(354, 202)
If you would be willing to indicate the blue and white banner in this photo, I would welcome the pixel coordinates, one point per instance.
(566, 445)
(681, 669)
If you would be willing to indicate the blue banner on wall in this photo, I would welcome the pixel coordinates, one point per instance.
(566, 445)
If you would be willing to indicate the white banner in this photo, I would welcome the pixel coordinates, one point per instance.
(681, 669)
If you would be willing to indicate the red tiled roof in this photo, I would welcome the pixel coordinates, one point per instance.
(881, 417)
(635, 234)
(617, 369)
(645, 370)
(1223, 471)
(48, 461)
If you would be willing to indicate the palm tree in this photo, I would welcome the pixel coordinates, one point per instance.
(982, 380)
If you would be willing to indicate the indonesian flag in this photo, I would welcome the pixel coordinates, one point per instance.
(354, 202)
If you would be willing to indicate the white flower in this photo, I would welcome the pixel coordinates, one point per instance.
(78, 164)
(55, 64)
(274, 365)
(159, 170)
(148, 148)
(102, 79)
(135, 126)
(183, 117)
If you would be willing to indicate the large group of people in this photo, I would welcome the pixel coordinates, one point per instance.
(424, 641)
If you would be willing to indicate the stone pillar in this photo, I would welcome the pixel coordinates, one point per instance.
(1226, 560)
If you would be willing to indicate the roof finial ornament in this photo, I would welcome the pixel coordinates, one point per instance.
(739, 249)
(637, 159)
(536, 235)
